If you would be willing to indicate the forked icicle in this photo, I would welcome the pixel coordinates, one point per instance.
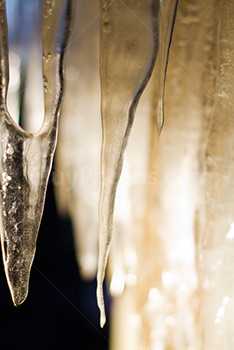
(129, 44)
(26, 158)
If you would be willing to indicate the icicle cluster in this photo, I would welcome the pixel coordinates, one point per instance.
(171, 212)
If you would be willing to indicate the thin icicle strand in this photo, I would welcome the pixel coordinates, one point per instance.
(129, 44)
(26, 158)
(167, 21)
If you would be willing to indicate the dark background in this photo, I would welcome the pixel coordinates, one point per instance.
(60, 311)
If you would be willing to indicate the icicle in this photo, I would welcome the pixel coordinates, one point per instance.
(26, 158)
(77, 170)
(165, 299)
(126, 247)
(215, 243)
(129, 32)
(167, 21)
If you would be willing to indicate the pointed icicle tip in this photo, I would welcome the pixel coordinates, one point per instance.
(102, 319)
(101, 305)
(18, 303)
(18, 293)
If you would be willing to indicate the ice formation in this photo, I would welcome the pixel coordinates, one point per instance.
(26, 158)
(129, 33)
(172, 251)
(183, 296)
(77, 176)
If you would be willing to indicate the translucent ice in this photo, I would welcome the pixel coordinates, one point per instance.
(76, 180)
(164, 300)
(215, 243)
(129, 32)
(168, 12)
(26, 158)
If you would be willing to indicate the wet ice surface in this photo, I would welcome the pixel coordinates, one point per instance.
(128, 34)
(168, 12)
(173, 252)
(183, 298)
(26, 158)
(25, 168)
(215, 235)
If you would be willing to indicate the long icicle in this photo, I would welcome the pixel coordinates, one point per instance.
(26, 159)
(129, 44)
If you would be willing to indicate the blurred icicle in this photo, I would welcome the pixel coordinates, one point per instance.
(129, 43)
(25, 94)
(161, 311)
(215, 246)
(26, 158)
(77, 174)
(167, 264)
